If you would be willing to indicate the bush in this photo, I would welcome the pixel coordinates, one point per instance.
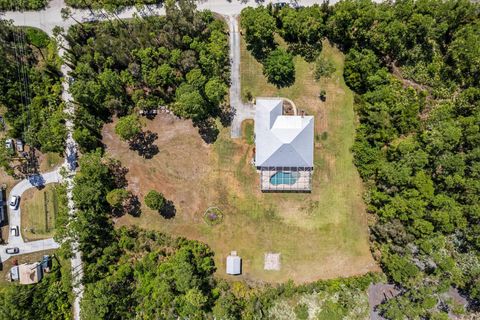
(154, 200)
(323, 68)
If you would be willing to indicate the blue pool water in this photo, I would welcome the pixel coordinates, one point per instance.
(284, 178)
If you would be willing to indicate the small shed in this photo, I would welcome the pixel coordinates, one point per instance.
(234, 264)
(14, 273)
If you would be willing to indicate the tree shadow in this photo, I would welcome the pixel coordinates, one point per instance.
(143, 143)
(208, 130)
(134, 207)
(168, 210)
(119, 173)
(226, 116)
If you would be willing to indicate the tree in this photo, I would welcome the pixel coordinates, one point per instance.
(464, 51)
(191, 105)
(359, 65)
(86, 139)
(259, 28)
(303, 29)
(215, 90)
(196, 78)
(128, 127)
(154, 200)
(117, 197)
(279, 68)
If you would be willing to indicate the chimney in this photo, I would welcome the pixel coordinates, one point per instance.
(302, 113)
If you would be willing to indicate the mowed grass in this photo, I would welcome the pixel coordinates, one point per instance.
(323, 234)
(39, 210)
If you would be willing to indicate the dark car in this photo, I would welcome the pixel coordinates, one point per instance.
(12, 250)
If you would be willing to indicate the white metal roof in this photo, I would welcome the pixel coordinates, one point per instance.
(282, 141)
(234, 265)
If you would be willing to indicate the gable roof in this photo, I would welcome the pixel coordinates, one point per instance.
(282, 141)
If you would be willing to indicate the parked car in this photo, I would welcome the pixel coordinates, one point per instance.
(19, 145)
(14, 231)
(12, 250)
(14, 201)
(9, 144)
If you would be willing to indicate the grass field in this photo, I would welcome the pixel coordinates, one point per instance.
(50, 161)
(39, 208)
(319, 235)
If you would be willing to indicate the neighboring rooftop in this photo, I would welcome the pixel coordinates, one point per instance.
(30, 273)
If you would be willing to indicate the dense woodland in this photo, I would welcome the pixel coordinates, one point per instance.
(415, 68)
(30, 90)
(121, 67)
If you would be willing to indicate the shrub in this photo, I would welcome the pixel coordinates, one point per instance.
(154, 200)
(323, 68)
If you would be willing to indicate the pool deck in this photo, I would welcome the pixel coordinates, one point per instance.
(302, 184)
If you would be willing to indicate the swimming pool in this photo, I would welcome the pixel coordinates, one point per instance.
(284, 178)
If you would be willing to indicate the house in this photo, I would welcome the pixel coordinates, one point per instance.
(30, 273)
(234, 264)
(283, 147)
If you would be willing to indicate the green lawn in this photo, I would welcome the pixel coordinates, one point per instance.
(39, 210)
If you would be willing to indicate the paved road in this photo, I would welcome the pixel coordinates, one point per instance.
(240, 110)
(15, 217)
(70, 166)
